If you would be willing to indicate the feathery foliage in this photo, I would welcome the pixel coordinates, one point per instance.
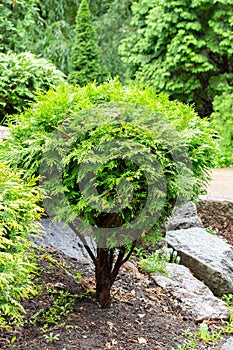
(85, 58)
(18, 214)
(22, 77)
(183, 48)
(115, 160)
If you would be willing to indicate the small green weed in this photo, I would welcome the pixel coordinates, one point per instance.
(207, 336)
(190, 342)
(12, 341)
(228, 298)
(203, 334)
(63, 304)
(51, 337)
(211, 230)
(158, 261)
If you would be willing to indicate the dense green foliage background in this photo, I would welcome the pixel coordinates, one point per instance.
(183, 48)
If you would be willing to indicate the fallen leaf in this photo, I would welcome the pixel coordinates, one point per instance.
(110, 324)
(142, 340)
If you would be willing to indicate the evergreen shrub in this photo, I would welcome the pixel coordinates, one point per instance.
(18, 214)
(22, 77)
(118, 157)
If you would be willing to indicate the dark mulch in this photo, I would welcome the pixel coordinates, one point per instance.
(142, 315)
(218, 216)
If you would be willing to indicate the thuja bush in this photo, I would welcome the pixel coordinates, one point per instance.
(222, 122)
(18, 214)
(85, 59)
(22, 76)
(114, 161)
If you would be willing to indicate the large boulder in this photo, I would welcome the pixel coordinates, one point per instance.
(184, 217)
(209, 257)
(228, 345)
(62, 237)
(193, 295)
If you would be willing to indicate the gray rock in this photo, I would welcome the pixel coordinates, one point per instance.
(194, 296)
(206, 255)
(4, 132)
(62, 237)
(184, 217)
(228, 345)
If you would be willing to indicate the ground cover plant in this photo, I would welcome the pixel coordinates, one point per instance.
(115, 160)
(18, 213)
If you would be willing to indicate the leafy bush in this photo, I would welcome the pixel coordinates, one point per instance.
(18, 212)
(119, 158)
(222, 122)
(22, 76)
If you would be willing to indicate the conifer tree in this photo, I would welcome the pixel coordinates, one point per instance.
(85, 58)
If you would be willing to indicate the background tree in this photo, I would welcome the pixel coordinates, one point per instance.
(134, 142)
(47, 29)
(112, 26)
(85, 58)
(17, 20)
(222, 122)
(183, 48)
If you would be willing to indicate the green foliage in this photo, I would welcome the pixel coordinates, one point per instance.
(222, 122)
(63, 304)
(18, 212)
(47, 29)
(117, 157)
(53, 35)
(22, 77)
(157, 261)
(17, 21)
(183, 48)
(30, 130)
(111, 28)
(85, 58)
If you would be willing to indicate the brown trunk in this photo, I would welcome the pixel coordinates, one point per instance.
(103, 277)
(106, 273)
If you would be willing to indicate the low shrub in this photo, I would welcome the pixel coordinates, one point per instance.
(22, 76)
(18, 212)
(118, 158)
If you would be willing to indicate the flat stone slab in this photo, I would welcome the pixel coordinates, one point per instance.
(4, 132)
(194, 296)
(209, 257)
(55, 234)
(228, 345)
